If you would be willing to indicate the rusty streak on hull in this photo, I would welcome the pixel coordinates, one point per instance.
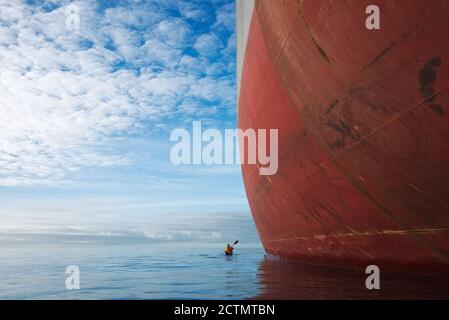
(363, 131)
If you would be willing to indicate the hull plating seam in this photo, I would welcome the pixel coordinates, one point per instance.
(365, 233)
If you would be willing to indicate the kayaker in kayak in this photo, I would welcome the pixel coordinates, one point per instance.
(229, 249)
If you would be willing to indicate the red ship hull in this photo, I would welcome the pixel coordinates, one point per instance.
(363, 120)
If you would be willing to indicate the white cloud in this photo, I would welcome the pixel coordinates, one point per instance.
(144, 234)
(66, 96)
(193, 11)
(174, 32)
(173, 228)
(208, 45)
(225, 16)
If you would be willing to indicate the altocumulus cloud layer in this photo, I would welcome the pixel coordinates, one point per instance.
(69, 97)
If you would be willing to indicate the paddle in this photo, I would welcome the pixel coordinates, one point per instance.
(235, 243)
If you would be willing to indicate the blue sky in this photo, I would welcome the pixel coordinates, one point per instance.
(87, 114)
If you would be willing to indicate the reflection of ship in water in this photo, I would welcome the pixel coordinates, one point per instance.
(280, 279)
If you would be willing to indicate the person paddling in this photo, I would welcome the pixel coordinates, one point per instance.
(230, 249)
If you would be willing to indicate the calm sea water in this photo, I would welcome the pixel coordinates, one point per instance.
(186, 271)
(131, 271)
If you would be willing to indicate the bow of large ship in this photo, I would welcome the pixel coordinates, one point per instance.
(363, 120)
